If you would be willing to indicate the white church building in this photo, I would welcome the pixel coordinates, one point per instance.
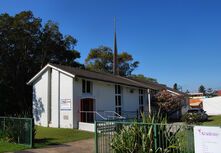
(69, 97)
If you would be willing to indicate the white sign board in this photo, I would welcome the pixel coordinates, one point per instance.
(207, 139)
(65, 104)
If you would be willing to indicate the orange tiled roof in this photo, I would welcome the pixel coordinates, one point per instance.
(195, 101)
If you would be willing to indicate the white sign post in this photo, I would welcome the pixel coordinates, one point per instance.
(207, 139)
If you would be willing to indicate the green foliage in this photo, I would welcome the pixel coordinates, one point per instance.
(187, 92)
(175, 87)
(126, 140)
(192, 118)
(210, 93)
(26, 45)
(138, 137)
(4, 136)
(101, 59)
(15, 130)
(202, 89)
(143, 78)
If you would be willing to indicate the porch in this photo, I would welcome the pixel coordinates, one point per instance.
(88, 115)
(87, 118)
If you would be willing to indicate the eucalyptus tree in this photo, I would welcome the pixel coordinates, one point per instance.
(26, 45)
(101, 59)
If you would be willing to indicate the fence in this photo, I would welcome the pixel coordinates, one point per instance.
(125, 137)
(16, 130)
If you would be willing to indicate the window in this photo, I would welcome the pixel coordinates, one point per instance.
(117, 89)
(118, 102)
(86, 86)
(83, 86)
(141, 100)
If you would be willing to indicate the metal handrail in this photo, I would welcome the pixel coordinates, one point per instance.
(94, 112)
(115, 113)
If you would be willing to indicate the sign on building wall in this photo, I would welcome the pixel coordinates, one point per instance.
(65, 104)
(207, 139)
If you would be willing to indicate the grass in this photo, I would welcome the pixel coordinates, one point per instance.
(6, 147)
(53, 136)
(49, 136)
(213, 121)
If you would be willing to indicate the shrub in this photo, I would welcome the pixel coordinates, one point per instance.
(16, 130)
(126, 141)
(192, 118)
(137, 137)
(4, 137)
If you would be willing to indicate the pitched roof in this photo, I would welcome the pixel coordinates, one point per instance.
(153, 85)
(176, 91)
(101, 76)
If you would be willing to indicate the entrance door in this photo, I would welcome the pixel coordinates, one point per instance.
(87, 108)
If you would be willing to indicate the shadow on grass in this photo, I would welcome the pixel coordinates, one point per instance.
(47, 142)
(209, 119)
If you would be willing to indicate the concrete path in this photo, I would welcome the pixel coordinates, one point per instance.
(82, 146)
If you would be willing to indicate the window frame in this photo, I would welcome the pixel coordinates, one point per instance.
(85, 88)
(141, 100)
(118, 99)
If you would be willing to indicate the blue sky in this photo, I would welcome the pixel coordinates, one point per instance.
(175, 41)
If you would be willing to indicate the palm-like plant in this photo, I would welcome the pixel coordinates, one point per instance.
(141, 137)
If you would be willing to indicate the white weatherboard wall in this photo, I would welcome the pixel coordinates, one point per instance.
(212, 106)
(104, 94)
(87, 126)
(76, 101)
(66, 93)
(40, 99)
(130, 99)
(54, 98)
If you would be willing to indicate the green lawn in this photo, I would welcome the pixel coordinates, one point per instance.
(49, 136)
(213, 121)
(6, 147)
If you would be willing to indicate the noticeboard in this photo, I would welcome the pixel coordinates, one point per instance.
(65, 104)
(207, 139)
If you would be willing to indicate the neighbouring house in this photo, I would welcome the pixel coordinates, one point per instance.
(70, 97)
(218, 92)
(196, 99)
(212, 106)
(196, 103)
